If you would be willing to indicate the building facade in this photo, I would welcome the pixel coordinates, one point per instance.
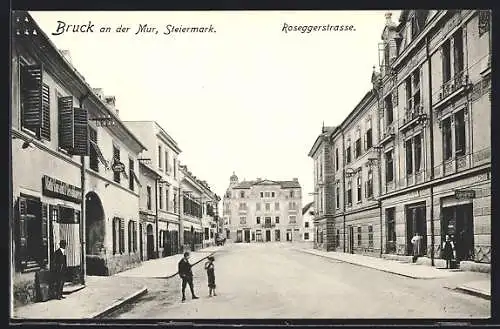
(426, 169)
(263, 210)
(162, 156)
(63, 180)
(308, 213)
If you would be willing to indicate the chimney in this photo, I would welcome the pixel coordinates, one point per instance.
(66, 54)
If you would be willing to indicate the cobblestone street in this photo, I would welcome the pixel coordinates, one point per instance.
(276, 281)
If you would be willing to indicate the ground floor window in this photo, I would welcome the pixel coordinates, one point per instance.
(390, 221)
(458, 223)
(306, 236)
(337, 239)
(359, 236)
(277, 235)
(258, 236)
(118, 235)
(370, 236)
(207, 233)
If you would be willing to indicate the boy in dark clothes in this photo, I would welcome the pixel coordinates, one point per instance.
(210, 268)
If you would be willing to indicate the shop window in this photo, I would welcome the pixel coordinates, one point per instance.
(359, 236)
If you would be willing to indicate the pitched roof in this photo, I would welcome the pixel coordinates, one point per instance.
(283, 184)
(306, 207)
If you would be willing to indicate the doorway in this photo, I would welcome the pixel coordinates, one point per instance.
(150, 243)
(239, 236)
(458, 223)
(94, 224)
(416, 223)
(141, 251)
(288, 235)
(247, 236)
(277, 235)
(268, 235)
(350, 238)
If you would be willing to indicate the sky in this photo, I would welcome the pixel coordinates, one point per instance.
(248, 98)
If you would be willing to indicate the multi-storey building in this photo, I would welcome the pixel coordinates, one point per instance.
(427, 168)
(324, 224)
(67, 169)
(198, 215)
(263, 210)
(161, 156)
(308, 213)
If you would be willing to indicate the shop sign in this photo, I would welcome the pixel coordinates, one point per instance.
(465, 194)
(61, 190)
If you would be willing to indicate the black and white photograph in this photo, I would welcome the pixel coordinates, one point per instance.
(250, 164)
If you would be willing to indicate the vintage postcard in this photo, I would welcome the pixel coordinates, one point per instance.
(183, 165)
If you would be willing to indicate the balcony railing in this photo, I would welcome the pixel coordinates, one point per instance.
(413, 115)
(268, 225)
(388, 133)
(457, 82)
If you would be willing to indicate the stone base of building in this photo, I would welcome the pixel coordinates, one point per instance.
(104, 266)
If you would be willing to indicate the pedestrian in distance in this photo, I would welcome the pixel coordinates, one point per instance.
(210, 268)
(449, 252)
(186, 274)
(417, 245)
(59, 268)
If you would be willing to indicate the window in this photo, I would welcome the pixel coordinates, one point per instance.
(389, 167)
(277, 219)
(167, 200)
(272, 194)
(368, 138)
(73, 127)
(243, 206)
(116, 159)
(261, 194)
(116, 233)
(337, 195)
(132, 236)
(418, 152)
(131, 176)
(306, 224)
(349, 194)
(148, 200)
(268, 206)
(121, 236)
(337, 167)
(359, 187)
(292, 205)
(357, 147)
(257, 206)
(306, 236)
(460, 133)
(35, 101)
(175, 202)
(389, 112)
(359, 236)
(446, 61)
(409, 156)
(458, 53)
(276, 206)
(337, 240)
(370, 236)
(391, 229)
(348, 153)
(160, 197)
(268, 194)
(483, 22)
(167, 167)
(160, 159)
(93, 160)
(447, 148)
(369, 184)
(242, 194)
(292, 219)
(258, 220)
(175, 167)
(291, 194)
(207, 233)
(243, 220)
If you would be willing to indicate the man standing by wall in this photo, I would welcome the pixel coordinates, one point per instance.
(186, 275)
(59, 267)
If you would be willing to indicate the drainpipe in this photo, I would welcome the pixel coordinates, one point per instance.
(83, 264)
(431, 137)
(343, 185)
(156, 217)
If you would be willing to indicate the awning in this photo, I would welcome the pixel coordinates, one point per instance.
(99, 154)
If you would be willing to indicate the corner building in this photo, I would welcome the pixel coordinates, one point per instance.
(263, 210)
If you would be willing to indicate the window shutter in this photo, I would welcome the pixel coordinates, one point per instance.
(22, 233)
(66, 133)
(45, 129)
(122, 235)
(44, 257)
(32, 103)
(80, 132)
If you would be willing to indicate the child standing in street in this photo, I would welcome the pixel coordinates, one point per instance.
(210, 268)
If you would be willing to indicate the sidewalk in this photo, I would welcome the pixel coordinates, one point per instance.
(165, 267)
(480, 288)
(405, 269)
(102, 294)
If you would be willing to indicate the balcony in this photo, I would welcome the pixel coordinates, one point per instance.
(268, 225)
(413, 116)
(452, 88)
(388, 134)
